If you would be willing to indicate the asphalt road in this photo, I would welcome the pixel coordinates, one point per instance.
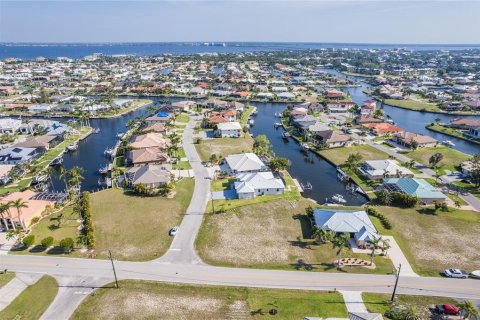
(78, 277)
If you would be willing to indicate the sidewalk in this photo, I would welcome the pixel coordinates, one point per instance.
(353, 301)
(11, 290)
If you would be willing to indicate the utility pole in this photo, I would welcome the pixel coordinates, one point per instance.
(113, 267)
(396, 283)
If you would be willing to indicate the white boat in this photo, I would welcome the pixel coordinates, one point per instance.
(103, 169)
(251, 122)
(305, 146)
(448, 143)
(96, 130)
(72, 147)
(57, 161)
(120, 135)
(338, 198)
(277, 124)
(307, 186)
(108, 152)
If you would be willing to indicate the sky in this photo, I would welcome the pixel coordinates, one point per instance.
(328, 21)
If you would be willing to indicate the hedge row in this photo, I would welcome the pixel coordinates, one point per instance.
(86, 213)
(384, 220)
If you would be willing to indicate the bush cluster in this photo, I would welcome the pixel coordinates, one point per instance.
(86, 213)
(383, 220)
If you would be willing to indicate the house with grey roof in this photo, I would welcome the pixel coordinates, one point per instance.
(379, 169)
(244, 162)
(356, 223)
(252, 184)
(16, 155)
(149, 175)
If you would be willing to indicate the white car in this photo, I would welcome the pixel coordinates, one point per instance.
(475, 274)
(456, 273)
(173, 231)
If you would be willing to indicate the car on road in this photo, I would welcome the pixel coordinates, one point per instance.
(447, 309)
(456, 273)
(173, 231)
(475, 274)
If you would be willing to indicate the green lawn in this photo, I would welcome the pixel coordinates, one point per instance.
(451, 157)
(154, 300)
(223, 147)
(33, 301)
(221, 184)
(338, 156)
(245, 114)
(5, 278)
(271, 235)
(420, 233)
(413, 105)
(380, 303)
(58, 225)
(134, 227)
(182, 118)
(182, 165)
(452, 132)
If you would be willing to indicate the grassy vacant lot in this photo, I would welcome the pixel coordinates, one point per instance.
(434, 242)
(413, 105)
(224, 146)
(182, 118)
(338, 156)
(33, 301)
(153, 300)
(380, 303)
(6, 277)
(136, 228)
(451, 157)
(274, 234)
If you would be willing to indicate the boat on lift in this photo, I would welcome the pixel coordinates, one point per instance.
(72, 147)
(103, 169)
(306, 186)
(305, 146)
(39, 178)
(108, 152)
(251, 122)
(120, 135)
(338, 198)
(56, 162)
(96, 130)
(277, 124)
(286, 135)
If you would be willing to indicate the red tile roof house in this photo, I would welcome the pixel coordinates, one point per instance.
(464, 123)
(381, 129)
(241, 94)
(335, 94)
(406, 138)
(363, 119)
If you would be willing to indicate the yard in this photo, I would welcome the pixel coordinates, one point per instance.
(5, 278)
(338, 156)
(451, 157)
(223, 147)
(134, 227)
(434, 242)
(380, 303)
(273, 234)
(413, 105)
(60, 225)
(182, 118)
(33, 301)
(154, 300)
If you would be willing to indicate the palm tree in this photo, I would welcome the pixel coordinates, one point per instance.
(469, 310)
(6, 209)
(385, 245)
(3, 211)
(341, 242)
(323, 236)
(63, 174)
(375, 244)
(75, 175)
(19, 204)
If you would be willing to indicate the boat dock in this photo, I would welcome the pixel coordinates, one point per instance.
(297, 185)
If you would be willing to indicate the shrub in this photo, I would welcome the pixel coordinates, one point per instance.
(34, 220)
(47, 242)
(383, 220)
(28, 240)
(66, 244)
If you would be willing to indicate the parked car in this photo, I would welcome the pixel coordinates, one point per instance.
(173, 231)
(447, 309)
(456, 273)
(475, 274)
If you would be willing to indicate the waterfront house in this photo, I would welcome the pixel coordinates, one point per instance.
(252, 184)
(357, 224)
(39, 108)
(34, 209)
(16, 155)
(379, 169)
(286, 96)
(244, 162)
(335, 94)
(464, 124)
(332, 139)
(363, 119)
(264, 95)
(381, 129)
(312, 106)
(149, 140)
(405, 138)
(148, 175)
(9, 125)
(368, 108)
(184, 105)
(419, 188)
(161, 117)
(156, 127)
(41, 143)
(303, 121)
(340, 107)
(152, 155)
(229, 130)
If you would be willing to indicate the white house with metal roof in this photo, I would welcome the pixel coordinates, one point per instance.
(244, 162)
(355, 223)
(229, 129)
(252, 184)
(379, 169)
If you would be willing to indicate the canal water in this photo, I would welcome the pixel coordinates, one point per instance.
(410, 120)
(305, 167)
